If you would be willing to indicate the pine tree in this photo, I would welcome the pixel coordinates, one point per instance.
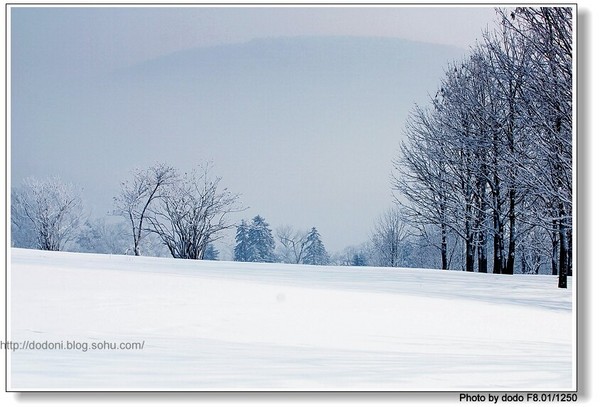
(359, 260)
(242, 249)
(261, 241)
(315, 252)
(211, 252)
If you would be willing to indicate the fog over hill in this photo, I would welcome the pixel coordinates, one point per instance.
(304, 128)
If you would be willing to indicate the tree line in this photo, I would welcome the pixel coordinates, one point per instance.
(184, 213)
(163, 210)
(488, 162)
(255, 243)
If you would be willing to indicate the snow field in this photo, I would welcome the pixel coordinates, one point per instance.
(249, 326)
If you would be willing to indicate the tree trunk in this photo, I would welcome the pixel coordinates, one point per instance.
(482, 240)
(510, 263)
(497, 214)
(470, 253)
(482, 262)
(563, 255)
(570, 252)
(510, 136)
(497, 254)
(498, 245)
(444, 248)
(469, 247)
(555, 248)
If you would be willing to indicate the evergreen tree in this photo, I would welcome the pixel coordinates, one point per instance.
(242, 249)
(359, 260)
(261, 241)
(211, 252)
(315, 252)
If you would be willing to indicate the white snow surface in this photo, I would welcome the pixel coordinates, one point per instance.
(211, 325)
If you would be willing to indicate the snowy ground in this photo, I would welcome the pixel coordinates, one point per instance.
(225, 325)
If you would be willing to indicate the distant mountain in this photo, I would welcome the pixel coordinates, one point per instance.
(319, 54)
(380, 67)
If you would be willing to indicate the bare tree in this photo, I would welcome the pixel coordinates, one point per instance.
(190, 213)
(136, 196)
(50, 209)
(421, 181)
(491, 162)
(547, 32)
(388, 238)
(293, 244)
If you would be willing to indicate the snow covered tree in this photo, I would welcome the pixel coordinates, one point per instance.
(242, 250)
(99, 236)
(293, 244)
(425, 249)
(50, 209)
(490, 163)
(191, 213)
(388, 239)
(315, 252)
(260, 238)
(421, 178)
(211, 252)
(359, 255)
(137, 195)
(359, 260)
(547, 33)
(254, 242)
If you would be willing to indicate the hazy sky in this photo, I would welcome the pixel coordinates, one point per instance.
(92, 39)
(73, 116)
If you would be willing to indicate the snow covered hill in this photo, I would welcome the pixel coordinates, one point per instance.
(225, 325)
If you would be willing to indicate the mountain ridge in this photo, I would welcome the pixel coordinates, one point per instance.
(291, 47)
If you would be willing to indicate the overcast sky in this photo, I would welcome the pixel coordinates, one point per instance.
(64, 126)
